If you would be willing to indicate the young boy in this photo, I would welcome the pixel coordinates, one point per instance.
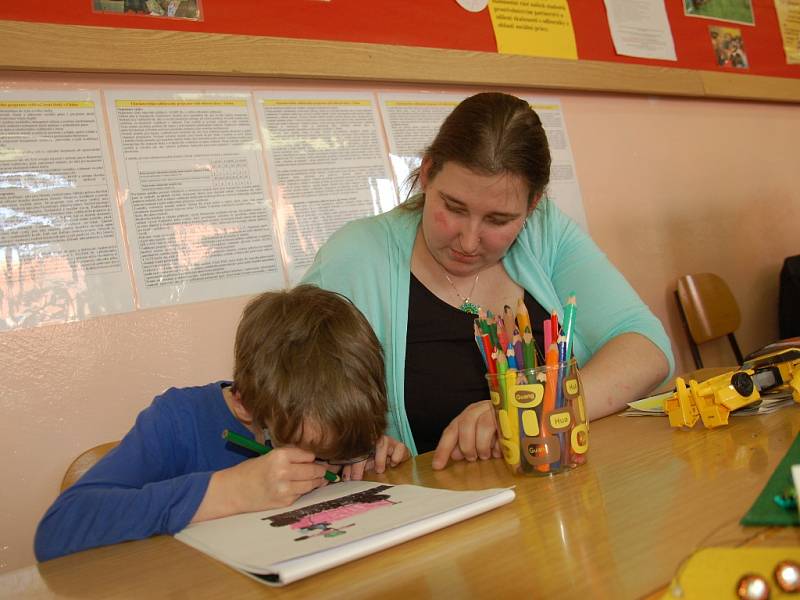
(308, 377)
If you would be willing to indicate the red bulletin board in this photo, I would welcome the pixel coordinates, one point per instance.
(428, 23)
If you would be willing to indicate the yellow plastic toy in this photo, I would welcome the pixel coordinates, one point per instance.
(713, 400)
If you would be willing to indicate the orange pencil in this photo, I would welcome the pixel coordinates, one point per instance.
(549, 401)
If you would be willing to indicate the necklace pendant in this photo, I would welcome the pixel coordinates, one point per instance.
(469, 307)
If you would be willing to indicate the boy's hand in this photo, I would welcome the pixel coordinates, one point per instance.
(273, 480)
(471, 435)
(388, 451)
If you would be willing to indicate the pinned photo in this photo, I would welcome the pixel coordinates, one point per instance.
(736, 11)
(728, 47)
(173, 9)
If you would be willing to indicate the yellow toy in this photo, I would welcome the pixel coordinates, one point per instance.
(713, 400)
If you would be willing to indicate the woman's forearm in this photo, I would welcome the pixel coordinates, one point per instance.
(626, 368)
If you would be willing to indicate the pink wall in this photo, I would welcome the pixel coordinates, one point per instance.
(685, 186)
(669, 187)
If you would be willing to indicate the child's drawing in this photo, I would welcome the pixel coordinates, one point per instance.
(317, 519)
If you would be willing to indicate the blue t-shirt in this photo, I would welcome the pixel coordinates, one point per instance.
(153, 482)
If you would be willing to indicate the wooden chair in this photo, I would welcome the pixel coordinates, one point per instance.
(708, 311)
(84, 462)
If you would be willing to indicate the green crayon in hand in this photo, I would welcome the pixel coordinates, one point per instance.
(240, 440)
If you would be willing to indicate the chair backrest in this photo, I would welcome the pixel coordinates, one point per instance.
(789, 298)
(84, 462)
(709, 311)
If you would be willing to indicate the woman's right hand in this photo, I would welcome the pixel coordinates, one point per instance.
(472, 435)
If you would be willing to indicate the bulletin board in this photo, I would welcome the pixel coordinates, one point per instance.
(384, 40)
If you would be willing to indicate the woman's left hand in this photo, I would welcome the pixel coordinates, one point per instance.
(472, 435)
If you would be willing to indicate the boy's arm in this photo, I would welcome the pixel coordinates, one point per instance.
(273, 480)
(135, 491)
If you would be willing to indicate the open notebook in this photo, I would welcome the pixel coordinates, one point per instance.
(333, 525)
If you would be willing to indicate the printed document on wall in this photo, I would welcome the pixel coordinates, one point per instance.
(533, 28)
(62, 257)
(413, 120)
(640, 28)
(789, 23)
(327, 164)
(196, 206)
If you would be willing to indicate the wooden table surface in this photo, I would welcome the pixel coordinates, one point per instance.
(616, 527)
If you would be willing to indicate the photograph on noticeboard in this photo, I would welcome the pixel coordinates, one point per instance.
(171, 9)
(728, 47)
(736, 11)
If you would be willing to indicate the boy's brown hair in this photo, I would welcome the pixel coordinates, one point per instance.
(309, 355)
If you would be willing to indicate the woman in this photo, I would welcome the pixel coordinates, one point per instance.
(481, 235)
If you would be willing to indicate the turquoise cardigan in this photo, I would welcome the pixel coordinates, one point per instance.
(368, 261)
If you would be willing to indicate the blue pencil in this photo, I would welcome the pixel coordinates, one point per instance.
(479, 343)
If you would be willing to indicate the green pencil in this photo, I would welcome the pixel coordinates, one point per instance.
(240, 440)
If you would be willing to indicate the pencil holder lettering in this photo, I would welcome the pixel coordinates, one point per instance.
(541, 418)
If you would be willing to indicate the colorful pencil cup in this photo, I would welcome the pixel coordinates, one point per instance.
(541, 418)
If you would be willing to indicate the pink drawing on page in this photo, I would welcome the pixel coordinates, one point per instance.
(317, 519)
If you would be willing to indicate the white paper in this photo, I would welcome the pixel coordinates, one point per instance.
(640, 28)
(473, 5)
(563, 188)
(412, 121)
(62, 257)
(327, 162)
(309, 537)
(197, 209)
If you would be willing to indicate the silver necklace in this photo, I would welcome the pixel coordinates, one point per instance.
(467, 305)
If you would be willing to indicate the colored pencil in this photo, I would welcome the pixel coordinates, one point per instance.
(509, 321)
(523, 319)
(529, 349)
(479, 343)
(487, 348)
(549, 401)
(240, 440)
(511, 357)
(554, 330)
(519, 352)
(502, 336)
(570, 310)
(492, 322)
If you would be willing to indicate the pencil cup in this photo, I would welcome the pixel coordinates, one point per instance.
(541, 418)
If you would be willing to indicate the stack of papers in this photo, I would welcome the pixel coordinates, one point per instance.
(333, 525)
(653, 406)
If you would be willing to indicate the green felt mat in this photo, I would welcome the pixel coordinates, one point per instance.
(765, 511)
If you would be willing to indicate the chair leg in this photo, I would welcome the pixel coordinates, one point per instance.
(698, 362)
(735, 346)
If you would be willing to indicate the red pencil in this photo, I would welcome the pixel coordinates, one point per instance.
(487, 347)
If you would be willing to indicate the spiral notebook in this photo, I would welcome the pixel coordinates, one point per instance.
(334, 525)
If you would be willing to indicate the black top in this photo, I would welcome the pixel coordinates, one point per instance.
(444, 368)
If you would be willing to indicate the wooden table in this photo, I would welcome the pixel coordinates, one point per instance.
(617, 527)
